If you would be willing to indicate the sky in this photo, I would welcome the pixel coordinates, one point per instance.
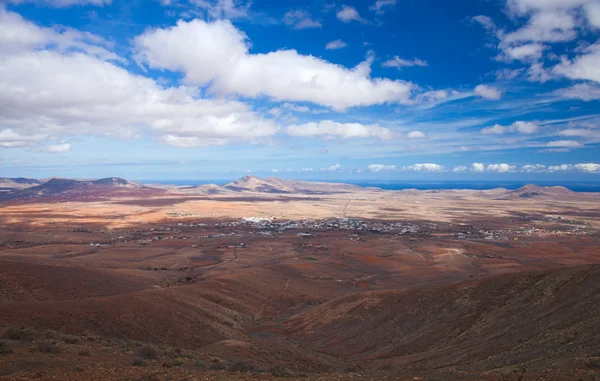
(351, 89)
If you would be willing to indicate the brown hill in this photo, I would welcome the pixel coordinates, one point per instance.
(531, 191)
(276, 185)
(530, 320)
(57, 187)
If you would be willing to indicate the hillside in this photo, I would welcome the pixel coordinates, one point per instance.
(530, 320)
(531, 191)
(12, 184)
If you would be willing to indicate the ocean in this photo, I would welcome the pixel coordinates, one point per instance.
(577, 186)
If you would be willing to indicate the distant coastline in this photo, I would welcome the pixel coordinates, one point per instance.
(577, 186)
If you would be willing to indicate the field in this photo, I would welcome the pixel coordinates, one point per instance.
(365, 284)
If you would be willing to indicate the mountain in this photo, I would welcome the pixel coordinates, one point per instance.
(276, 185)
(12, 184)
(528, 320)
(531, 191)
(68, 188)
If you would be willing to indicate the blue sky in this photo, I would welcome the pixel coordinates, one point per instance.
(379, 89)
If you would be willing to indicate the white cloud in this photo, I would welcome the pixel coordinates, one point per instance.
(460, 168)
(533, 168)
(224, 9)
(348, 14)
(581, 132)
(399, 63)
(48, 94)
(582, 167)
(426, 167)
(217, 55)
(332, 168)
(330, 130)
(592, 10)
(488, 92)
(300, 19)
(381, 6)
(62, 147)
(335, 44)
(518, 126)
(478, 167)
(381, 168)
(63, 3)
(588, 167)
(586, 66)
(562, 167)
(564, 143)
(415, 135)
(486, 22)
(526, 52)
(19, 36)
(12, 139)
(584, 91)
(501, 168)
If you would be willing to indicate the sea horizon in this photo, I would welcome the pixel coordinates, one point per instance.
(576, 186)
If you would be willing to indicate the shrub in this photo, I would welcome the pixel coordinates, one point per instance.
(138, 361)
(149, 353)
(48, 347)
(84, 352)
(200, 365)
(241, 366)
(179, 361)
(5, 348)
(217, 366)
(20, 334)
(70, 339)
(592, 362)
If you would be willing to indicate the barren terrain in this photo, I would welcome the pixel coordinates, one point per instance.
(268, 278)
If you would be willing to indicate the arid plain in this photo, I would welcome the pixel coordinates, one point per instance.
(268, 278)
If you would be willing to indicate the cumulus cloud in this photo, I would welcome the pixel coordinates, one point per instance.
(501, 168)
(541, 24)
(460, 168)
(582, 167)
(584, 66)
(381, 6)
(399, 63)
(300, 19)
(533, 168)
(518, 126)
(478, 167)
(330, 130)
(49, 92)
(20, 36)
(425, 167)
(217, 55)
(332, 168)
(335, 44)
(381, 168)
(415, 135)
(348, 14)
(62, 147)
(488, 92)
